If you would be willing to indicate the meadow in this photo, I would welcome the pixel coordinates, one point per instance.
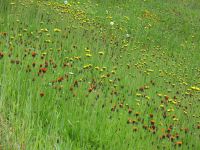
(97, 74)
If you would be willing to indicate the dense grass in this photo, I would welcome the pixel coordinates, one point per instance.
(72, 80)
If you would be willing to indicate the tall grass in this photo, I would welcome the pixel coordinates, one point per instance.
(4, 9)
(71, 80)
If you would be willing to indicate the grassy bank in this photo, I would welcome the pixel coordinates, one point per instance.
(94, 75)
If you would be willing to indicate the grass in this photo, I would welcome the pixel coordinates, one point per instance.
(71, 80)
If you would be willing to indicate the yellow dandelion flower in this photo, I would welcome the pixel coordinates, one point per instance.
(88, 55)
(87, 50)
(195, 88)
(48, 41)
(87, 66)
(103, 76)
(147, 97)
(162, 106)
(56, 30)
(97, 68)
(138, 94)
(175, 119)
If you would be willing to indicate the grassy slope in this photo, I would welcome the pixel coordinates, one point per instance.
(161, 55)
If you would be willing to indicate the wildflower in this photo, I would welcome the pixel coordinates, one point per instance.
(88, 55)
(175, 119)
(3, 33)
(179, 143)
(129, 111)
(76, 83)
(195, 88)
(71, 73)
(138, 94)
(33, 64)
(104, 68)
(152, 122)
(60, 79)
(198, 126)
(43, 70)
(113, 108)
(57, 30)
(44, 53)
(147, 97)
(135, 129)
(25, 30)
(128, 35)
(162, 106)
(65, 2)
(1, 55)
(113, 72)
(77, 57)
(150, 70)
(137, 114)
(46, 30)
(121, 105)
(129, 121)
(111, 23)
(101, 53)
(87, 50)
(166, 97)
(87, 66)
(17, 62)
(34, 54)
(172, 138)
(42, 94)
(145, 126)
(103, 76)
(97, 68)
(90, 89)
(151, 115)
(48, 41)
(177, 135)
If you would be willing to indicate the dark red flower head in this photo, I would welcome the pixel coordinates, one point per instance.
(43, 70)
(1, 54)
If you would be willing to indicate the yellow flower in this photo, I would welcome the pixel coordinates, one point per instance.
(101, 53)
(104, 68)
(103, 76)
(88, 55)
(97, 68)
(138, 94)
(48, 41)
(77, 57)
(57, 30)
(174, 102)
(175, 119)
(110, 80)
(87, 66)
(147, 97)
(46, 30)
(87, 50)
(162, 106)
(150, 70)
(195, 88)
